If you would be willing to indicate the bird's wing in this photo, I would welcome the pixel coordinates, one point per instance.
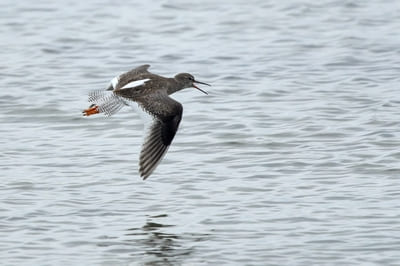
(140, 69)
(132, 75)
(167, 114)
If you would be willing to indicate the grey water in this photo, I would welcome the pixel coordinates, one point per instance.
(292, 158)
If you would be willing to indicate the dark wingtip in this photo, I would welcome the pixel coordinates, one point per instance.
(143, 175)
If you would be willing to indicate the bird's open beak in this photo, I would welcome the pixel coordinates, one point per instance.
(199, 88)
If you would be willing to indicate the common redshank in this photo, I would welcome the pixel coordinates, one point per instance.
(149, 91)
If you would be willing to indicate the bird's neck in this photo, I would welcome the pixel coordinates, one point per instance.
(173, 86)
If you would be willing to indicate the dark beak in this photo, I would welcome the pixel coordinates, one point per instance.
(198, 87)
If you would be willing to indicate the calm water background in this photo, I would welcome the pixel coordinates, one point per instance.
(293, 158)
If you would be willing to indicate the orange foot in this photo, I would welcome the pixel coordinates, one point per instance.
(93, 109)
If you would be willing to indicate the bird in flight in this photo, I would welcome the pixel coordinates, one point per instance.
(151, 92)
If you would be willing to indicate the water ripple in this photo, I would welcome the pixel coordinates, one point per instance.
(292, 158)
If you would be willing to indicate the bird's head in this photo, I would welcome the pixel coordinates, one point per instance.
(187, 80)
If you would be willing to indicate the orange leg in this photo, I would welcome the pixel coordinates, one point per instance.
(91, 110)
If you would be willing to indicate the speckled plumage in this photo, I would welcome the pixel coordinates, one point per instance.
(151, 92)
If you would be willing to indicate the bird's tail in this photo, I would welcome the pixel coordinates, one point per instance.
(105, 102)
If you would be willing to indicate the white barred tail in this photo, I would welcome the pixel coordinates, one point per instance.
(108, 103)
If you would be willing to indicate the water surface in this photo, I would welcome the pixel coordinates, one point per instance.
(292, 158)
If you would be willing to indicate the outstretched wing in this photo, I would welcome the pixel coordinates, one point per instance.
(135, 74)
(167, 114)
